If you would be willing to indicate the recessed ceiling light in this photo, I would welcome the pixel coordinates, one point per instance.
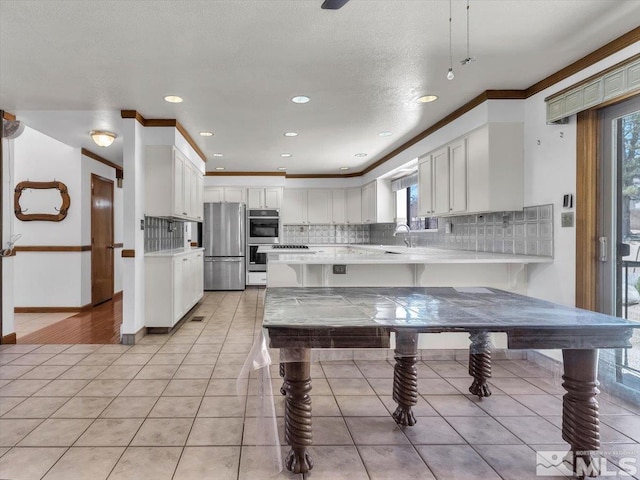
(173, 99)
(285, 155)
(218, 155)
(300, 99)
(219, 168)
(291, 134)
(360, 155)
(385, 134)
(206, 134)
(282, 169)
(427, 99)
(344, 168)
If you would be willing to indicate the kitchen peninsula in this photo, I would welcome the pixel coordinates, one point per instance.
(388, 265)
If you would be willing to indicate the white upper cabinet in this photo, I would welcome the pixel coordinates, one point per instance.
(264, 197)
(319, 207)
(480, 172)
(377, 202)
(224, 194)
(173, 185)
(425, 187)
(339, 206)
(440, 187)
(458, 176)
(353, 205)
(294, 206)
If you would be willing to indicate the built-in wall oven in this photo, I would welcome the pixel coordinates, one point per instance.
(257, 261)
(263, 227)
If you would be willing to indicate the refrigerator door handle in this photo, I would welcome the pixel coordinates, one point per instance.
(236, 260)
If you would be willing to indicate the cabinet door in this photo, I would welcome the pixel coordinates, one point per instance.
(178, 297)
(440, 161)
(458, 176)
(234, 194)
(354, 205)
(339, 206)
(255, 197)
(319, 206)
(272, 197)
(199, 275)
(178, 185)
(199, 199)
(185, 284)
(294, 206)
(369, 203)
(425, 187)
(214, 194)
(191, 185)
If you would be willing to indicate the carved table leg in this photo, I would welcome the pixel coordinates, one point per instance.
(405, 378)
(297, 416)
(580, 420)
(283, 391)
(480, 364)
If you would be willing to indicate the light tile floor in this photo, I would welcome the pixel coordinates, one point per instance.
(167, 408)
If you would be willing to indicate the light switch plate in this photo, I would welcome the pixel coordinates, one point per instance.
(566, 219)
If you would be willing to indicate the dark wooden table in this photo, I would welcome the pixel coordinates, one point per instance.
(300, 319)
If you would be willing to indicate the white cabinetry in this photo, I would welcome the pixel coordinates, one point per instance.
(319, 210)
(377, 202)
(354, 205)
(339, 206)
(173, 185)
(294, 206)
(173, 285)
(480, 172)
(224, 194)
(264, 197)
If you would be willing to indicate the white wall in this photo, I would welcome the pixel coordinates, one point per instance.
(7, 230)
(43, 279)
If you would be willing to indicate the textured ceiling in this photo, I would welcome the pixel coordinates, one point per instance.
(67, 67)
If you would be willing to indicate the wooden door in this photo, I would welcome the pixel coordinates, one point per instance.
(101, 239)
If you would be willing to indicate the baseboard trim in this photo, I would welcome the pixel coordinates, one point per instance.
(133, 338)
(117, 295)
(83, 308)
(10, 339)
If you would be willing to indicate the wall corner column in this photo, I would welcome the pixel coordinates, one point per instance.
(133, 278)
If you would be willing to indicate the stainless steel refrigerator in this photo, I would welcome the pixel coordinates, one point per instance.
(224, 246)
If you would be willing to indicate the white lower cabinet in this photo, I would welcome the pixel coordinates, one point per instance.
(173, 285)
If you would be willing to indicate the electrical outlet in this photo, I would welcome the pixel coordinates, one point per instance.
(339, 269)
(448, 227)
(505, 221)
(566, 219)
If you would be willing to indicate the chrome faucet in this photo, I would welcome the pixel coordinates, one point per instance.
(406, 229)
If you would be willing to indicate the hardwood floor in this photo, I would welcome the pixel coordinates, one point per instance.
(101, 324)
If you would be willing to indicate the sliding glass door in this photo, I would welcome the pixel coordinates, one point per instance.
(619, 282)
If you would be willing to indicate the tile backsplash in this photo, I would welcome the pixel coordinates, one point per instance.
(320, 234)
(524, 232)
(162, 234)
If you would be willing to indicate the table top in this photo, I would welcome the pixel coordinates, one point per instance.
(426, 309)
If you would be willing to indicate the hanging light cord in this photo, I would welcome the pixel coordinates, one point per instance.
(450, 74)
(469, 58)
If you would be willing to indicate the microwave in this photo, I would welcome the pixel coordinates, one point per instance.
(263, 226)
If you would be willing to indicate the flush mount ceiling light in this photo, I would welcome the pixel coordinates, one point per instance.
(360, 155)
(285, 155)
(218, 155)
(102, 138)
(427, 99)
(344, 168)
(219, 168)
(206, 134)
(385, 134)
(173, 99)
(291, 134)
(300, 99)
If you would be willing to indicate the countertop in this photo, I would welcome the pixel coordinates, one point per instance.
(176, 252)
(390, 254)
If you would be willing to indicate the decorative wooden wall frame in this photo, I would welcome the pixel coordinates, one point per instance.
(46, 217)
